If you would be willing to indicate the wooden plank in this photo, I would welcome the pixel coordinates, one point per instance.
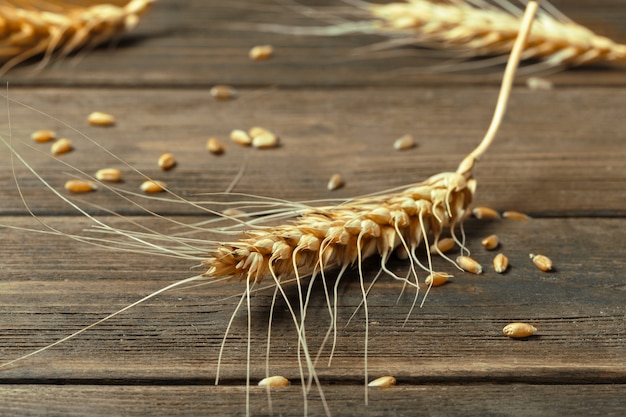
(547, 159)
(454, 400)
(456, 336)
(203, 43)
(168, 347)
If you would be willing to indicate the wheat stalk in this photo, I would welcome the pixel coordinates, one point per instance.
(26, 32)
(484, 29)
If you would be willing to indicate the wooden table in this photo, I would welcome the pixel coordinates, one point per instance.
(558, 157)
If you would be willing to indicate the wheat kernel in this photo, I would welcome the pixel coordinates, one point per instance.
(100, 119)
(274, 381)
(223, 92)
(519, 330)
(500, 263)
(166, 161)
(109, 175)
(443, 245)
(261, 52)
(80, 186)
(515, 215)
(490, 242)
(437, 278)
(485, 213)
(265, 141)
(152, 186)
(335, 182)
(44, 135)
(61, 146)
(240, 137)
(257, 131)
(404, 142)
(536, 83)
(469, 264)
(383, 381)
(215, 146)
(542, 262)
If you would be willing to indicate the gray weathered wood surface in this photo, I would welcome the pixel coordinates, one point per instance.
(559, 157)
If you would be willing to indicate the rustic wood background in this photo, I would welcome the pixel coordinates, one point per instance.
(559, 157)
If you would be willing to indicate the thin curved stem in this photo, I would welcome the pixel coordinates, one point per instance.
(467, 164)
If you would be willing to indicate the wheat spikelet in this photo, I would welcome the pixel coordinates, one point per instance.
(29, 31)
(480, 28)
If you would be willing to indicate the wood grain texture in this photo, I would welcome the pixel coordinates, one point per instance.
(559, 156)
(202, 43)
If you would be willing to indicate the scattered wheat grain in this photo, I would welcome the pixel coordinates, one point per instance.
(536, 83)
(80, 186)
(443, 245)
(437, 278)
(240, 137)
(485, 213)
(542, 262)
(265, 141)
(274, 381)
(223, 92)
(469, 264)
(335, 182)
(215, 146)
(152, 186)
(404, 142)
(101, 119)
(490, 242)
(383, 381)
(515, 215)
(44, 135)
(166, 161)
(519, 330)
(500, 263)
(109, 175)
(61, 146)
(261, 52)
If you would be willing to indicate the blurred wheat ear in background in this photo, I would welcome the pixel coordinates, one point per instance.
(55, 29)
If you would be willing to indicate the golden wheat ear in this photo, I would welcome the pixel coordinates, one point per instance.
(479, 28)
(56, 28)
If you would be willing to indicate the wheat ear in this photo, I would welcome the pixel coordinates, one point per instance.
(479, 28)
(28, 32)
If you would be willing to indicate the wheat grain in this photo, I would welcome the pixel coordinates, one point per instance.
(42, 136)
(491, 242)
(383, 381)
(240, 137)
(36, 30)
(274, 381)
(515, 215)
(99, 118)
(80, 186)
(63, 145)
(223, 92)
(404, 142)
(166, 161)
(542, 262)
(261, 52)
(152, 186)
(109, 175)
(485, 213)
(500, 263)
(214, 146)
(519, 330)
